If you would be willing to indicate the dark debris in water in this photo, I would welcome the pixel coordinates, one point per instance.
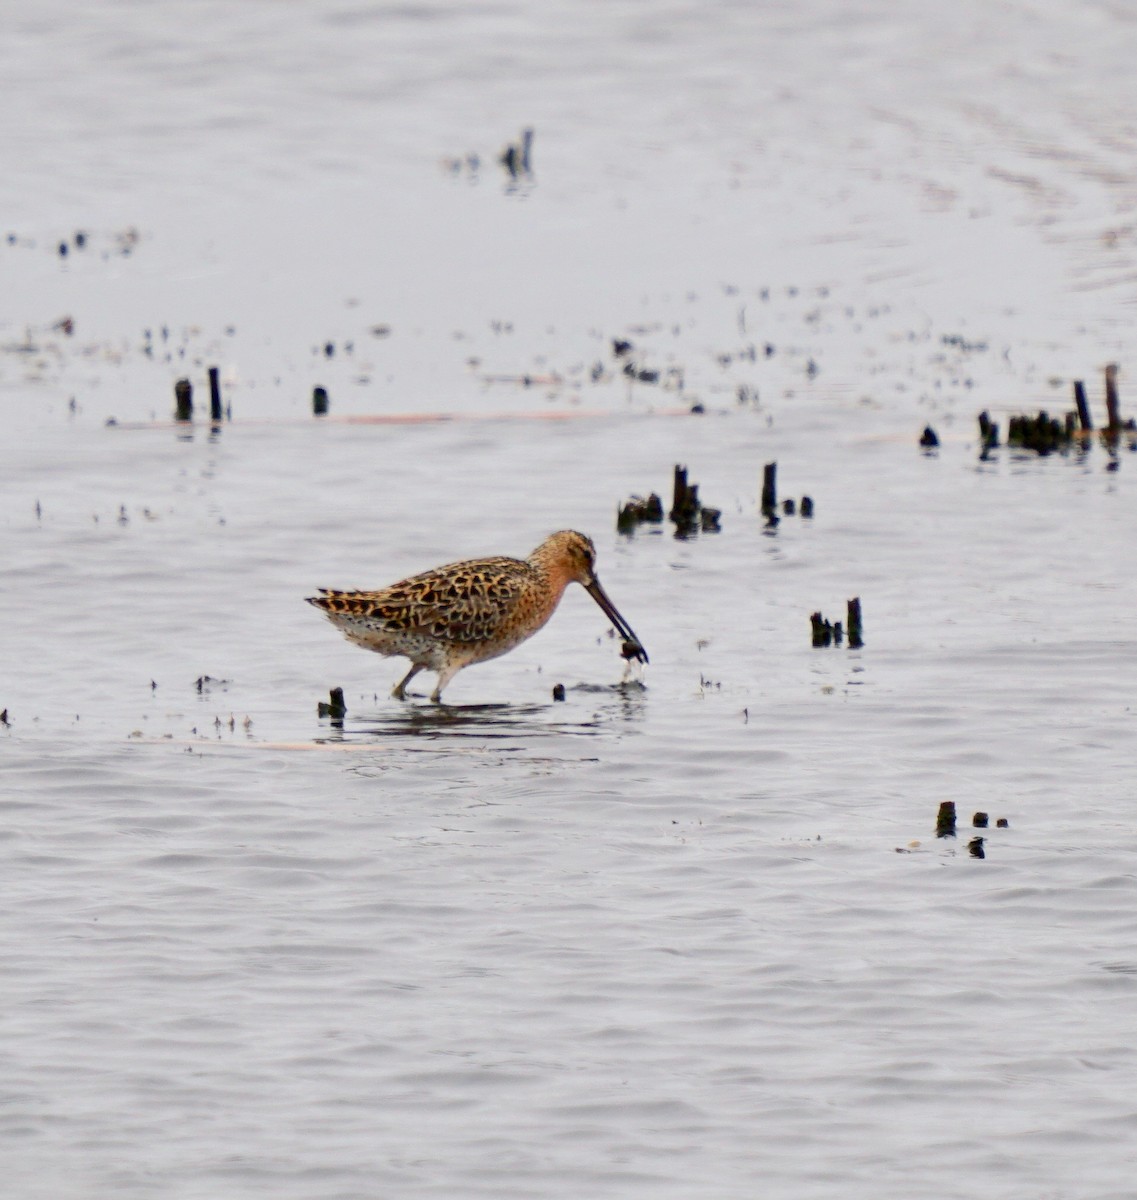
(946, 828)
(961, 343)
(639, 511)
(1043, 433)
(945, 819)
(517, 157)
(688, 513)
(334, 707)
(831, 633)
(769, 500)
(825, 632)
(206, 683)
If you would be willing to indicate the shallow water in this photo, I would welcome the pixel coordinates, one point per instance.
(689, 932)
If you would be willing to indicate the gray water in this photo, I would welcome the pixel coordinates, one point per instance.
(689, 933)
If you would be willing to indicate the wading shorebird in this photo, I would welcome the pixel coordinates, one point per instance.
(468, 612)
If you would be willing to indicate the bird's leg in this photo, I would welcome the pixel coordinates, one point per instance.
(444, 678)
(399, 691)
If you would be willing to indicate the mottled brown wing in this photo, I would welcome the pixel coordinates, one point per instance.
(462, 602)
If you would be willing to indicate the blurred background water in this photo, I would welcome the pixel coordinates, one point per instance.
(683, 935)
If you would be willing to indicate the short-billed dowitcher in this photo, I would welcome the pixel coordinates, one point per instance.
(468, 612)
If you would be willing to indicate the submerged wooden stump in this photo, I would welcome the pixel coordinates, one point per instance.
(1045, 434)
(183, 400)
(1041, 433)
(683, 496)
(1112, 400)
(832, 633)
(856, 633)
(769, 489)
(639, 511)
(690, 516)
(684, 503)
(517, 157)
(334, 706)
(1083, 408)
(945, 819)
(214, 394)
(821, 629)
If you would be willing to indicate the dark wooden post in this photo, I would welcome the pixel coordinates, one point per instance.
(183, 400)
(1083, 408)
(214, 394)
(678, 492)
(769, 488)
(945, 819)
(684, 503)
(1112, 403)
(856, 640)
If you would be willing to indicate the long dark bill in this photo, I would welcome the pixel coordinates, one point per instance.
(632, 647)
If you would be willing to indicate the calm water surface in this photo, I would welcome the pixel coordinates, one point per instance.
(690, 932)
